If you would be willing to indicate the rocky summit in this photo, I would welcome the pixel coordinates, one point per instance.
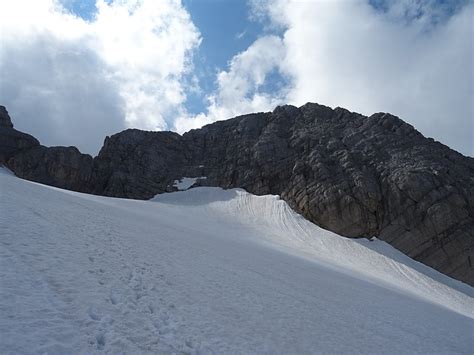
(355, 175)
(12, 141)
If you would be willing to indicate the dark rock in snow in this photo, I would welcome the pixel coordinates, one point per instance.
(11, 140)
(139, 164)
(5, 120)
(63, 167)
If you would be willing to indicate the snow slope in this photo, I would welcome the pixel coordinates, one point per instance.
(208, 271)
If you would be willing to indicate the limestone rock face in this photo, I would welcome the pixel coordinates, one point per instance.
(11, 140)
(139, 164)
(5, 120)
(63, 167)
(355, 175)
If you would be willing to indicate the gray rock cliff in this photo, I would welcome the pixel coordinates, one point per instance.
(355, 175)
(63, 167)
(139, 164)
(11, 140)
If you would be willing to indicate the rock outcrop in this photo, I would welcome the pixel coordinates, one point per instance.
(355, 175)
(139, 164)
(63, 167)
(11, 140)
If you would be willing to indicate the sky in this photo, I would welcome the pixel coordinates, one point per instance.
(74, 71)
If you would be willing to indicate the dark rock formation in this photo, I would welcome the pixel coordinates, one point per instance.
(5, 120)
(355, 175)
(11, 140)
(63, 167)
(139, 164)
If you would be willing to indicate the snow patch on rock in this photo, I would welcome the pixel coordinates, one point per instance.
(185, 183)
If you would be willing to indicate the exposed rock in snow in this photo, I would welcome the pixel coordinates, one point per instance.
(5, 120)
(11, 140)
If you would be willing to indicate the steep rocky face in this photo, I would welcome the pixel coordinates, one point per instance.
(63, 167)
(5, 120)
(355, 175)
(11, 140)
(139, 164)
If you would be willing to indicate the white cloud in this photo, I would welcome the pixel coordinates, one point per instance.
(71, 81)
(240, 89)
(148, 44)
(344, 53)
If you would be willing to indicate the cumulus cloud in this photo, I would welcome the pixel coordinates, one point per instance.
(411, 58)
(71, 81)
(346, 53)
(57, 92)
(241, 88)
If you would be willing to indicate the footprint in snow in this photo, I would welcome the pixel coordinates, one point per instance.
(113, 297)
(94, 314)
(100, 341)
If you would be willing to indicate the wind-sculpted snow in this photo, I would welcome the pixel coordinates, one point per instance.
(208, 271)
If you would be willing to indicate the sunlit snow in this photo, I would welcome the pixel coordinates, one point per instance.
(208, 271)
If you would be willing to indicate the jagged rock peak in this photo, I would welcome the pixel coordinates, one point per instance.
(12, 141)
(5, 120)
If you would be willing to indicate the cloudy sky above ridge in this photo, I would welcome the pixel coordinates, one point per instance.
(74, 71)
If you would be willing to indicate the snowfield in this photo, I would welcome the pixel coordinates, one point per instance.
(208, 271)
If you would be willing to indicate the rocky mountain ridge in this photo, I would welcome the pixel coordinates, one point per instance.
(355, 175)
